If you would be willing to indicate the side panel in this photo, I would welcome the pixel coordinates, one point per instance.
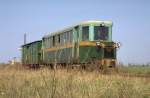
(25, 55)
(90, 54)
(63, 55)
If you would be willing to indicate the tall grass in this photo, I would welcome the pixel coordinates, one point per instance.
(46, 83)
(136, 70)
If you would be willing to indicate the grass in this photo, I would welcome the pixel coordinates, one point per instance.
(140, 70)
(16, 82)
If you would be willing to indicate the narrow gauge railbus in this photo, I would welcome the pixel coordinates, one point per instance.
(89, 42)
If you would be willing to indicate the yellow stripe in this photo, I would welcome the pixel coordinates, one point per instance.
(69, 45)
(58, 47)
(87, 43)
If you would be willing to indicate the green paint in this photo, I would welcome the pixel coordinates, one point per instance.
(110, 33)
(91, 32)
(61, 56)
(90, 53)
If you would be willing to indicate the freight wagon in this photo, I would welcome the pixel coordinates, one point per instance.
(31, 54)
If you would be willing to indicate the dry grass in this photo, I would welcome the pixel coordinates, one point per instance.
(44, 83)
(142, 70)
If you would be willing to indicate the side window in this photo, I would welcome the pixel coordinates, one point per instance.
(56, 40)
(43, 42)
(50, 41)
(59, 39)
(46, 42)
(53, 40)
(85, 33)
(71, 36)
(65, 38)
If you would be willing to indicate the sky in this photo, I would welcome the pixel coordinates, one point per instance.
(131, 23)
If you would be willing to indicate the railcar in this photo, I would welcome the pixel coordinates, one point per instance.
(88, 42)
(31, 54)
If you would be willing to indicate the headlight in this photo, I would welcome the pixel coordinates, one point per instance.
(97, 43)
(117, 45)
(100, 44)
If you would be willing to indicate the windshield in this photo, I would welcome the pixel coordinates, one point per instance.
(101, 33)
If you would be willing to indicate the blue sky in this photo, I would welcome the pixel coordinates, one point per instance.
(131, 20)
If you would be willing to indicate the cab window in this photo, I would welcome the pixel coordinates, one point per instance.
(85, 33)
(101, 33)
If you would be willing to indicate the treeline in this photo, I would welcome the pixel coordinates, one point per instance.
(133, 65)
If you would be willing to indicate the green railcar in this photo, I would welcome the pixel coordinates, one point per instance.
(85, 43)
(31, 54)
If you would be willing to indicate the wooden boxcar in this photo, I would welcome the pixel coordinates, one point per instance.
(89, 42)
(31, 54)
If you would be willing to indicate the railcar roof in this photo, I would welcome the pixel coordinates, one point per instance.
(96, 21)
(81, 23)
(32, 43)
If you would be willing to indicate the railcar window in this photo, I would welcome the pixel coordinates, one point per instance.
(66, 37)
(46, 42)
(70, 36)
(101, 33)
(53, 40)
(85, 33)
(59, 38)
(49, 42)
(56, 40)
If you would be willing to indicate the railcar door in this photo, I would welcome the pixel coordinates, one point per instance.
(76, 44)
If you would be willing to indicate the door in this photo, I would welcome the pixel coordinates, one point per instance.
(76, 44)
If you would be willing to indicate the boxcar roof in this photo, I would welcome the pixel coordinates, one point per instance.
(81, 23)
(31, 43)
